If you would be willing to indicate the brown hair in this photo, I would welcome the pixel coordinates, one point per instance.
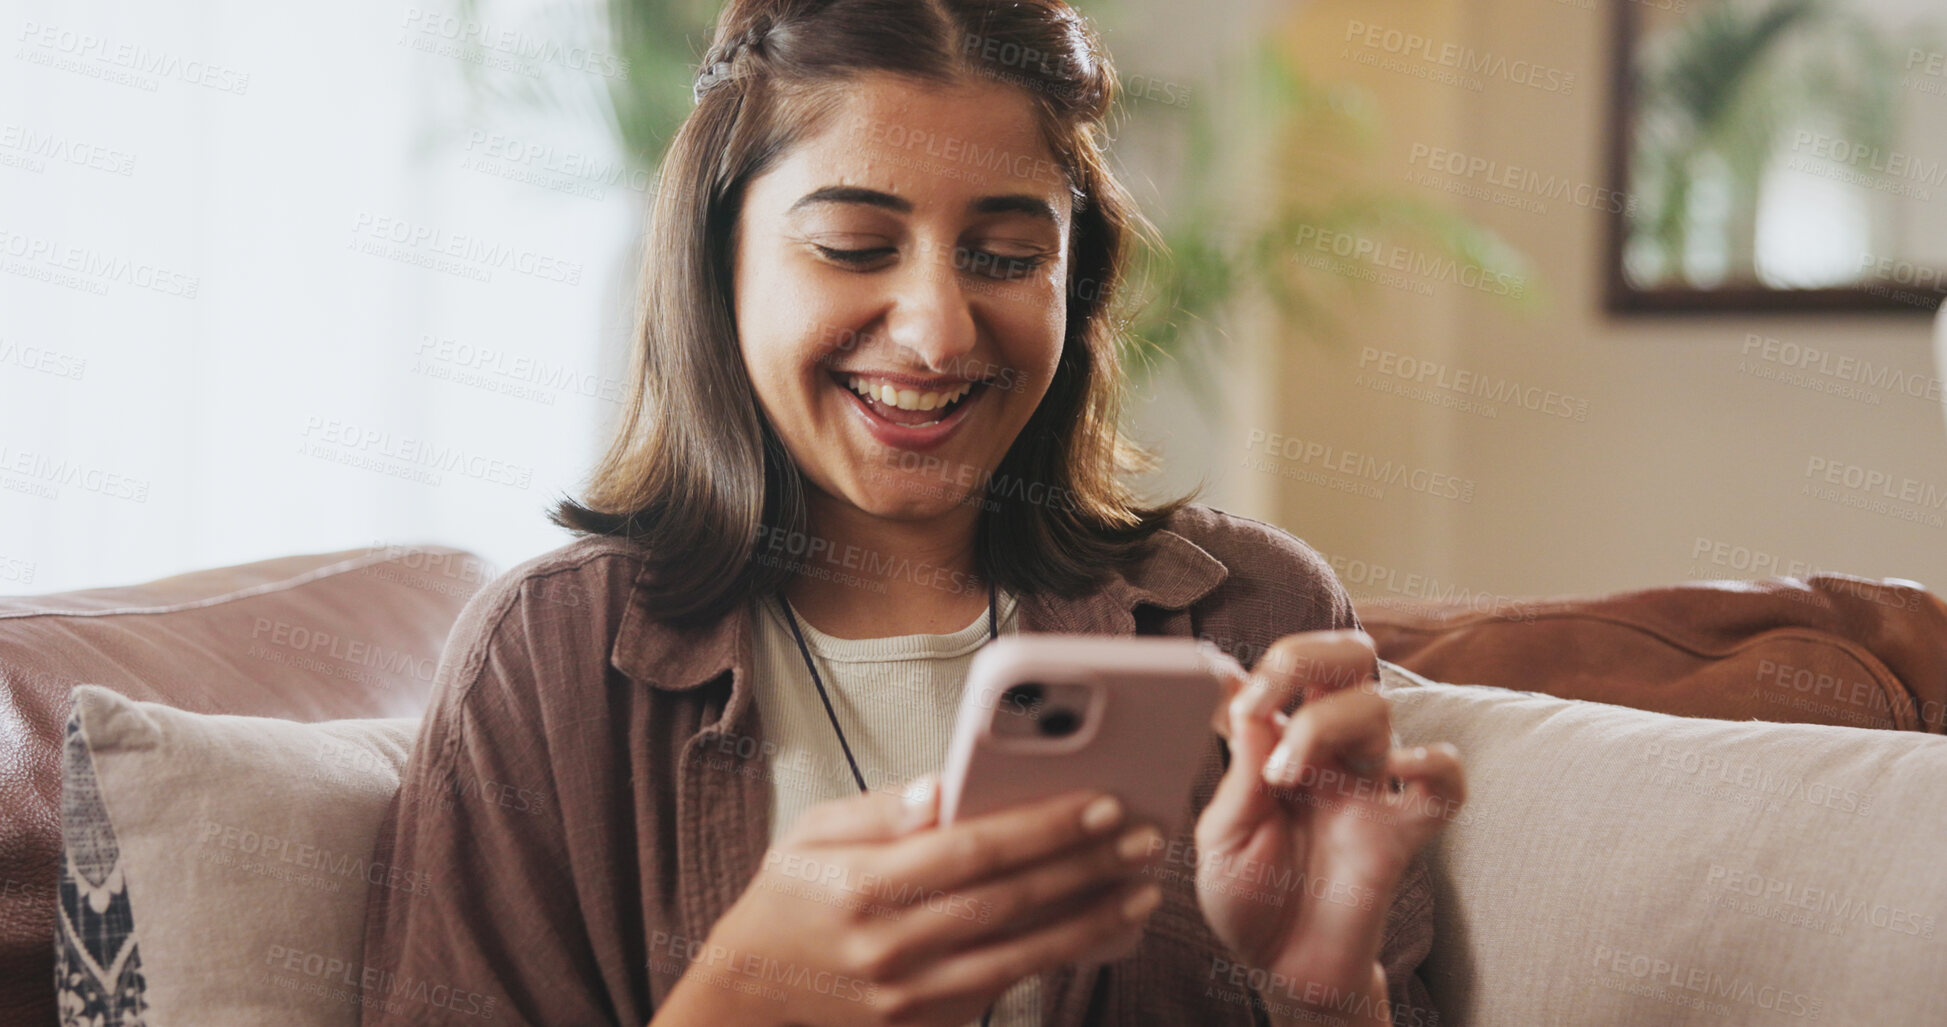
(694, 471)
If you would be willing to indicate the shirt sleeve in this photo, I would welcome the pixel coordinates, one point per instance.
(1408, 940)
(1305, 595)
(1408, 937)
(490, 929)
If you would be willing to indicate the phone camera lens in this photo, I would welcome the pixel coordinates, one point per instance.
(1056, 723)
(1024, 698)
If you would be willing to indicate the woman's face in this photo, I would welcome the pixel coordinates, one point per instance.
(900, 292)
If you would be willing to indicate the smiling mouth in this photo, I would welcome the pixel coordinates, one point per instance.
(909, 405)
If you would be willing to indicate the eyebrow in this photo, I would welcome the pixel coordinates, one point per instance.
(1010, 203)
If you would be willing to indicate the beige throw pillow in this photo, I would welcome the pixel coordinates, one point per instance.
(216, 867)
(1614, 866)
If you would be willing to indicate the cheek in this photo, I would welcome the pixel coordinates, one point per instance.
(1034, 332)
(815, 322)
(785, 340)
(763, 364)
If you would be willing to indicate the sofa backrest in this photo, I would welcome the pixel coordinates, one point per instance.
(1828, 649)
(328, 636)
(1610, 866)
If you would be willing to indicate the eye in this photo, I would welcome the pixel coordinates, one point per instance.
(854, 257)
(994, 265)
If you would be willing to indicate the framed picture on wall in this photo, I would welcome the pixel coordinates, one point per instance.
(1779, 155)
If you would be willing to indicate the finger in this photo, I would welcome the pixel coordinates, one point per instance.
(1435, 787)
(1240, 802)
(993, 967)
(873, 816)
(955, 856)
(1303, 667)
(1013, 903)
(1292, 670)
(1349, 730)
(1234, 680)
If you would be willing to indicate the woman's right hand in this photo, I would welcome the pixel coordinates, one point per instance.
(866, 912)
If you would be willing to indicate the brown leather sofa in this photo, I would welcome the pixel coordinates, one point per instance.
(358, 634)
(1828, 649)
(320, 637)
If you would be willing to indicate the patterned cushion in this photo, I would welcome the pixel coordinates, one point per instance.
(97, 969)
(215, 867)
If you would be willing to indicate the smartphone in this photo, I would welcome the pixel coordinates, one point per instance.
(1045, 713)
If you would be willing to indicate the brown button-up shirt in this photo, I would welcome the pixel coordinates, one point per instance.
(589, 793)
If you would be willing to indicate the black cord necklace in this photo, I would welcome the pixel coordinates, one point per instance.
(993, 632)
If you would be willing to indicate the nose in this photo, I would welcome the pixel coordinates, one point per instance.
(931, 315)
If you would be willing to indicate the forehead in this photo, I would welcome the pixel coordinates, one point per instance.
(929, 143)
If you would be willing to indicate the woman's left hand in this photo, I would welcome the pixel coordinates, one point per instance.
(1301, 848)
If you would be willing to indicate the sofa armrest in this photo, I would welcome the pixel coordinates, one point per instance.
(349, 634)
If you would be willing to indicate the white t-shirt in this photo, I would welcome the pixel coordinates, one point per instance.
(896, 699)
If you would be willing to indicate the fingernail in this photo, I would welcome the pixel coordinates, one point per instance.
(1137, 906)
(916, 801)
(1137, 843)
(1247, 702)
(1101, 814)
(1240, 706)
(1279, 765)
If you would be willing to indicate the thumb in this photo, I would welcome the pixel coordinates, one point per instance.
(919, 803)
(874, 816)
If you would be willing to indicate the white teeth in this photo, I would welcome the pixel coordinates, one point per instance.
(908, 399)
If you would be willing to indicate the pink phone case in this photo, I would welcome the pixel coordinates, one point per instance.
(1144, 704)
(1144, 707)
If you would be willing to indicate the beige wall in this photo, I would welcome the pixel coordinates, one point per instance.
(1681, 442)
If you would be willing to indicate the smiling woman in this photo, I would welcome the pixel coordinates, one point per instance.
(881, 260)
(874, 199)
(872, 426)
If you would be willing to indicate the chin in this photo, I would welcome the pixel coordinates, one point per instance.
(912, 498)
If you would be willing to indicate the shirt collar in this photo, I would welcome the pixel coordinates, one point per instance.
(1171, 575)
